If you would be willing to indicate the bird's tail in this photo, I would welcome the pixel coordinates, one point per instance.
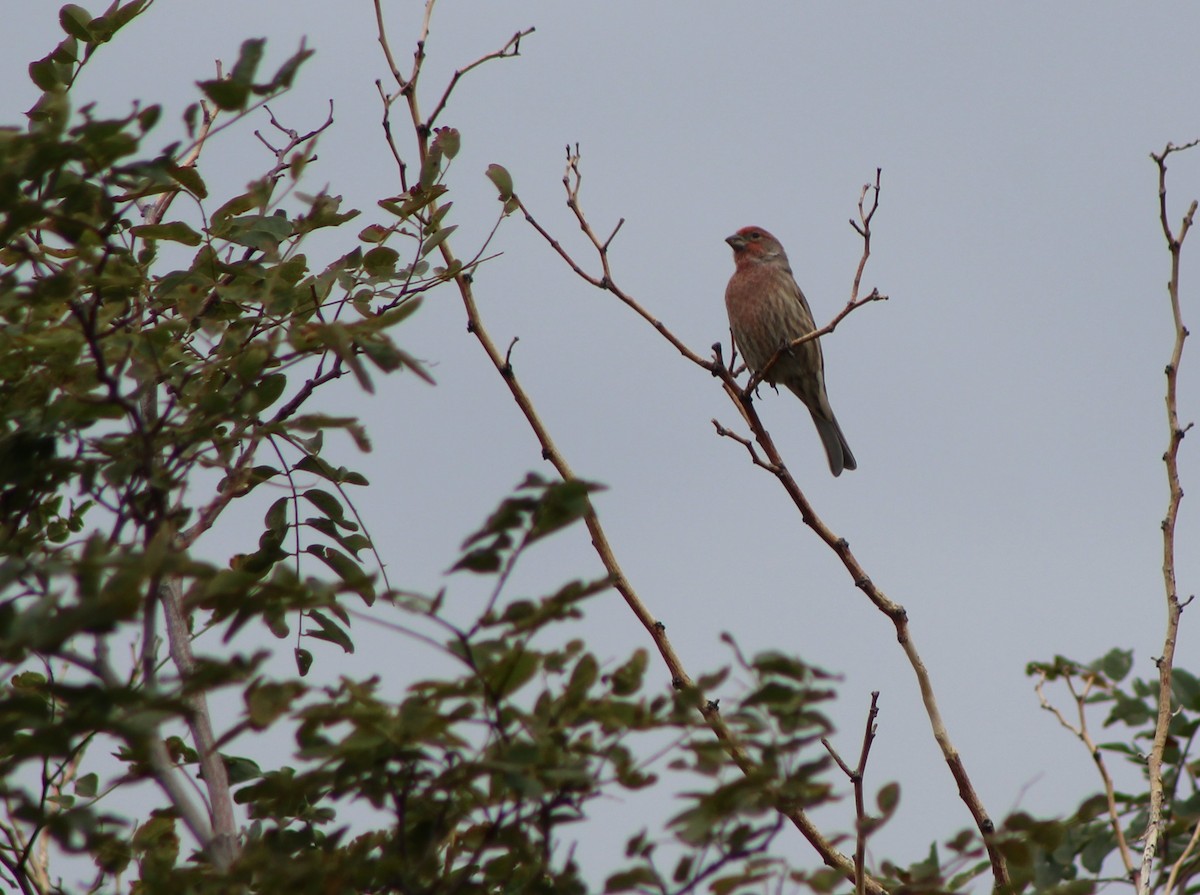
(836, 448)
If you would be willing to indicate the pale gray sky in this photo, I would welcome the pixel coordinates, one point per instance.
(1005, 406)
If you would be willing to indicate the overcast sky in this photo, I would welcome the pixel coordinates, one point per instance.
(1005, 406)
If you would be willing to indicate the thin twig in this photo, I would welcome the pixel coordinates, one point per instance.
(853, 305)
(1177, 867)
(863, 825)
(1081, 731)
(1155, 822)
(863, 228)
(510, 49)
(746, 443)
(295, 138)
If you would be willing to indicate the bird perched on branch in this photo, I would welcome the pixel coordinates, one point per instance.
(767, 311)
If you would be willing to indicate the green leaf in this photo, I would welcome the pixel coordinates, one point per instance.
(188, 178)
(341, 475)
(316, 422)
(635, 879)
(239, 205)
(67, 52)
(435, 219)
(563, 503)
(255, 231)
(148, 117)
(287, 72)
(125, 14)
(86, 786)
(225, 94)
(888, 799)
(482, 560)
(381, 261)
(502, 179)
(276, 518)
(304, 661)
(1115, 664)
(257, 475)
(239, 770)
(375, 233)
(448, 140)
(267, 701)
(248, 61)
(269, 389)
(1128, 710)
(353, 543)
(176, 231)
(47, 74)
(513, 672)
(627, 679)
(431, 167)
(347, 569)
(1186, 689)
(583, 678)
(326, 503)
(329, 630)
(418, 197)
(76, 21)
(432, 242)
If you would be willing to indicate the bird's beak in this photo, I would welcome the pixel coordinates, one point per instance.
(736, 242)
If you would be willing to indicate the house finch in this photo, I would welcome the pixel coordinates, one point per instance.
(766, 311)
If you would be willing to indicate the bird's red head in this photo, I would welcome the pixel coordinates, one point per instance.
(754, 244)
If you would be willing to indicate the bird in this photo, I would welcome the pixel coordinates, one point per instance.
(767, 310)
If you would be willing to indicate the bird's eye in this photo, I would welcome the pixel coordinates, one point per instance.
(754, 234)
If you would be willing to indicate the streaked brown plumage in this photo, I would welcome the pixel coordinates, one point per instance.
(766, 311)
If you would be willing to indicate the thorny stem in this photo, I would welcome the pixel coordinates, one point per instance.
(743, 400)
(1155, 822)
(657, 631)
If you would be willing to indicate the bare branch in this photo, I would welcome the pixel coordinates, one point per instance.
(853, 305)
(510, 49)
(1155, 823)
(1081, 731)
(772, 460)
(223, 846)
(381, 35)
(744, 442)
(295, 138)
(1173, 876)
(862, 824)
(657, 631)
(168, 778)
(863, 228)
